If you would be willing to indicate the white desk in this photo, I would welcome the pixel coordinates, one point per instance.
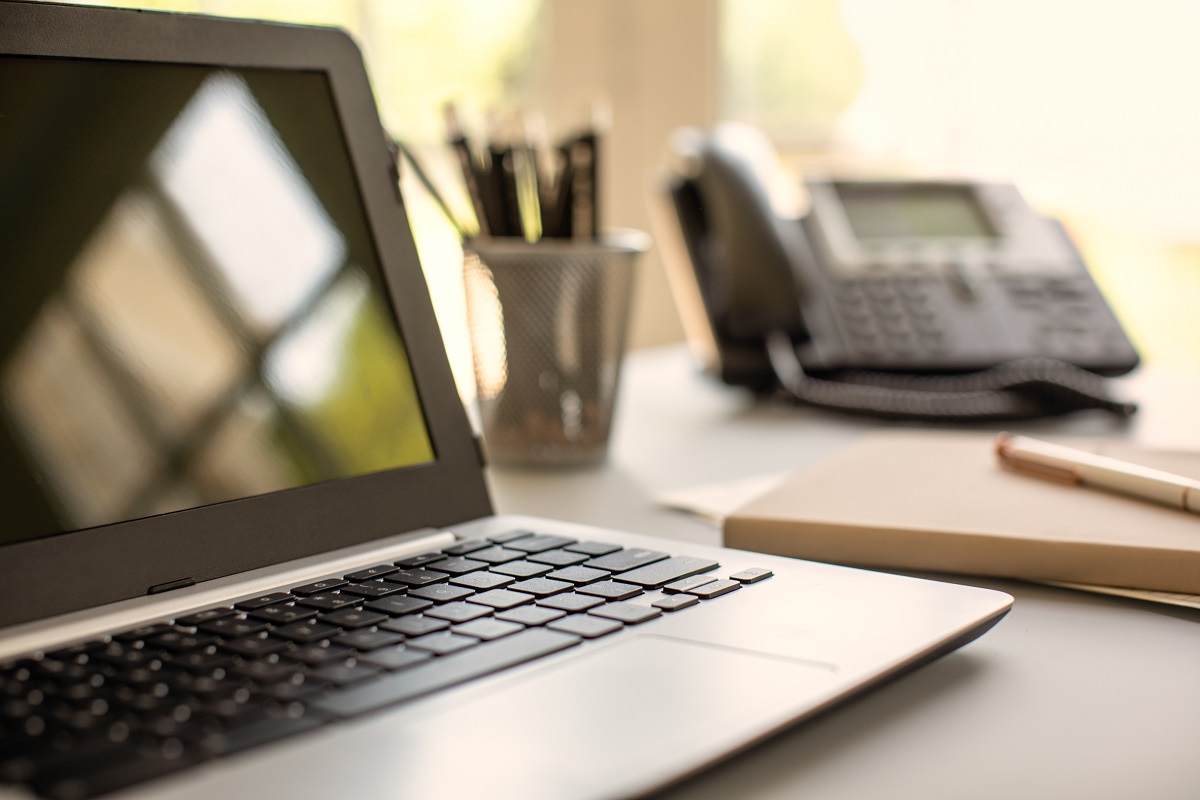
(1071, 695)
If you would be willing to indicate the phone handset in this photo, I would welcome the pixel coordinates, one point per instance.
(738, 246)
(756, 277)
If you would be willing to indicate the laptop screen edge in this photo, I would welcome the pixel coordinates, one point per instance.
(58, 574)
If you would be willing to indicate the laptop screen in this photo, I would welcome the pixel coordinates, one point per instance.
(197, 315)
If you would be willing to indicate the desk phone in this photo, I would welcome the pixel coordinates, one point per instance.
(911, 278)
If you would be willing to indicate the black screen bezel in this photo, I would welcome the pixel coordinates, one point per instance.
(71, 571)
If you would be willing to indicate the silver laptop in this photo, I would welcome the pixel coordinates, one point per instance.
(247, 549)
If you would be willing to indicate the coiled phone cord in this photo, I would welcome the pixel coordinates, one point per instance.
(1019, 389)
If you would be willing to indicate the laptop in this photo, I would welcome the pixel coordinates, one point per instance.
(247, 547)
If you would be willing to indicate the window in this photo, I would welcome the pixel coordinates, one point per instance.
(1085, 105)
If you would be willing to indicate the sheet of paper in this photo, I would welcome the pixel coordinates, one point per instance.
(715, 501)
(1166, 598)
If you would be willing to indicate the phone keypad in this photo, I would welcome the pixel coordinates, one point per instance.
(913, 319)
(885, 316)
(1065, 319)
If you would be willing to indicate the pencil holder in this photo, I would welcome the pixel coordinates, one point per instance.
(548, 324)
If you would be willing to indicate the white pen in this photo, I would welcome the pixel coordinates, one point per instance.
(1068, 465)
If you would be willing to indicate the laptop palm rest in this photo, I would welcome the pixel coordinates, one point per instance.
(574, 728)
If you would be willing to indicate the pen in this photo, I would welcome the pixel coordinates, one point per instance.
(582, 154)
(462, 150)
(1068, 465)
(528, 182)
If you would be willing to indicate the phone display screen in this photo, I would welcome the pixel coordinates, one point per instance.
(913, 211)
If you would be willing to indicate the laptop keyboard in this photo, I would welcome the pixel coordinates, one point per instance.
(110, 713)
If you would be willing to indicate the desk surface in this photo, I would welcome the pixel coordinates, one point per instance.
(1072, 695)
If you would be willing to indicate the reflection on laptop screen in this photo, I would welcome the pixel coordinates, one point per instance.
(203, 319)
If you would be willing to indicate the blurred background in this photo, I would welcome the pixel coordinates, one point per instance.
(1083, 103)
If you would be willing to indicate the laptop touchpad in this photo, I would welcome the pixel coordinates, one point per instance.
(639, 710)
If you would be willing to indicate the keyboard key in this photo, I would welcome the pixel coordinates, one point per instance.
(141, 634)
(373, 590)
(464, 547)
(305, 632)
(352, 619)
(629, 613)
(329, 601)
(442, 644)
(318, 587)
(752, 575)
(559, 558)
(502, 599)
(541, 587)
(255, 646)
(610, 590)
(415, 625)
(593, 548)
(316, 654)
(282, 614)
(458, 612)
(174, 641)
(270, 669)
(201, 685)
(488, 629)
(346, 673)
(579, 575)
(418, 577)
(72, 652)
(398, 606)
(228, 705)
(207, 615)
(570, 603)
(622, 560)
(482, 581)
(532, 615)
(127, 656)
(448, 670)
(539, 542)
(510, 536)
(497, 555)
(588, 627)
(233, 627)
(442, 592)
(522, 569)
(671, 569)
(371, 573)
(296, 687)
(458, 566)
(687, 583)
(675, 602)
(201, 662)
(714, 589)
(394, 658)
(365, 641)
(420, 560)
(262, 600)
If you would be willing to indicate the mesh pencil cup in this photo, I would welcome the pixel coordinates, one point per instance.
(548, 323)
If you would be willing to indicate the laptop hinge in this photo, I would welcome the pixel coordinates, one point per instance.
(169, 585)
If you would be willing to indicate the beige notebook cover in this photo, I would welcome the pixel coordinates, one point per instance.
(939, 501)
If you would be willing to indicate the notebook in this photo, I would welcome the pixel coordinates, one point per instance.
(940, 501)
(248, 549)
